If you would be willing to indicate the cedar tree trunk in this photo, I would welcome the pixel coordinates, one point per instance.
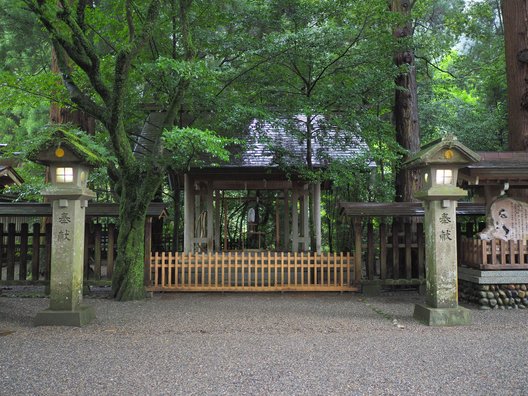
(515, 15)
(406, 106)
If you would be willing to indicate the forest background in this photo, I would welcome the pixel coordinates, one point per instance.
(395, 74)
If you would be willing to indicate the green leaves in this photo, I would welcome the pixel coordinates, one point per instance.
(196, 147)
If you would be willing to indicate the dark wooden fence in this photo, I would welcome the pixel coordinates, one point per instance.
(389, 239)
(25, 247)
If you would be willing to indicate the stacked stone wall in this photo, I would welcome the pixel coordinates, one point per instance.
(498, 296)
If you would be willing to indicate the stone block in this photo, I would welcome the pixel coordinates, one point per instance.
(83, 315)
(442, 316)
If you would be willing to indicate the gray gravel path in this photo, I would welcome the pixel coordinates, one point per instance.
(260, 344)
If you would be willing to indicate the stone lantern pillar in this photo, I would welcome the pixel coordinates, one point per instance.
(440, 161)
(69, 166)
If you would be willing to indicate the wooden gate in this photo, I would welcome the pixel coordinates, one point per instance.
(252, 271)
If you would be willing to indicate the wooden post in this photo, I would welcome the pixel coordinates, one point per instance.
(295, 220)
(358, 250)
(286, 240)
(110, 251)
(209, 216)
(35, 252)
(148, 251)
(217, 228)
(317, 216)
(188, 215)
(306, 220)
(11, 251)
(24, 236)
(97, 251)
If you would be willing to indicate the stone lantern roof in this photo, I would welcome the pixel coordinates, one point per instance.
(75, 148)
(447, 150)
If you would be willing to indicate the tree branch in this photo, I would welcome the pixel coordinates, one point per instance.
(130, 21)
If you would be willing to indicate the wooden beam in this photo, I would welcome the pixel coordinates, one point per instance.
(286, 227)
(317, 215)
(295, 220)
(188, 214)
(210, 216)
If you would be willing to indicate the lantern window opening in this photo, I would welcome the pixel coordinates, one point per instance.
(64, 175)
(444, 176)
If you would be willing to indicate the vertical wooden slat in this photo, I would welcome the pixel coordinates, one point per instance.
(24, 237)
(484, 250)
(370, 249)
(110, 251)
(86, 257)
(242, 270)
(328, 268)
(341, 271)
(502, 247)
(163, 268)
(35, 251)
(358, 254)
(209, 269)
(48, 251)
(395, 252)
(383, 249)
(2, 249)
(421, 250)
(275, 265)
(282, 268)
(493, 252)
(295, 265)
(216, 269)
(156, 261)
(222, 258)
(511, 250)
(196, 266)
(408, 256)
(236, 268)
(176, 267)
(11, 246)
(148, 250)
(316, 259)
(521, 252)
(229, 275)
(171, 264)
(97, 252)
(269, 268)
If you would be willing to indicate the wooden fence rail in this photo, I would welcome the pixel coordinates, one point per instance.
(390, 251)
(494, 254)
(251, 271)
(25, 252)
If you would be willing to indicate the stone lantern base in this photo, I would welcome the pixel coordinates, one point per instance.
(83, 315)
(458, 316)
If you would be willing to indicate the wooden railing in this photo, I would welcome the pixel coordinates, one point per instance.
(252, 271)
(494, 254)
(25, 252)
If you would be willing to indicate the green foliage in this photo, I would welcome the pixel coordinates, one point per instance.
(463, 89)
(193, 147)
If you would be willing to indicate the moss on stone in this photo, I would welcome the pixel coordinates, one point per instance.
(72, 138)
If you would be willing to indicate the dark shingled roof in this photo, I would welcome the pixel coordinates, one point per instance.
(273, 143)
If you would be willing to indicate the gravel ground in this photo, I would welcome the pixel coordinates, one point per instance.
(261, 344)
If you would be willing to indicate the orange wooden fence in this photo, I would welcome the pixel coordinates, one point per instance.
(252, 271)
(494, 254)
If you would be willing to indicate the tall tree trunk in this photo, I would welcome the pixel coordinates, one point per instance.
(515, 16)
(406, 105)
(134, 198)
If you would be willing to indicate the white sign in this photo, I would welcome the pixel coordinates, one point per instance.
(507, 220)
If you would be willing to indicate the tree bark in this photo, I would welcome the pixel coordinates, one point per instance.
(134, 198)
(515, 16)
(406, 105)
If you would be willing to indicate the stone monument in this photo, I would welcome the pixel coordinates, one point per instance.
(69, 162)
(440, 161)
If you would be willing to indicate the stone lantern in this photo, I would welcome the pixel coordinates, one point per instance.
(69, 163)
(439, 162)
